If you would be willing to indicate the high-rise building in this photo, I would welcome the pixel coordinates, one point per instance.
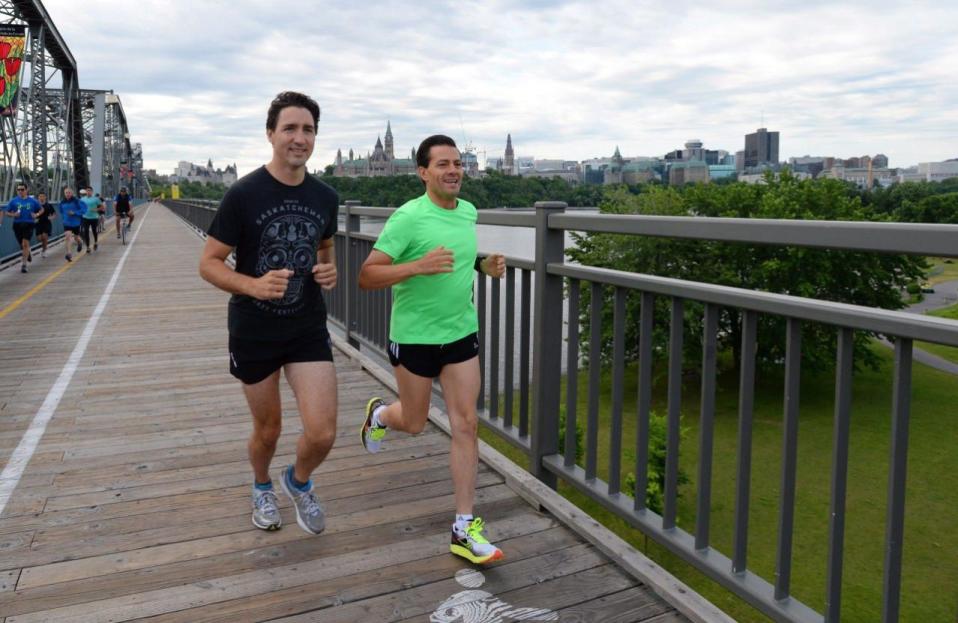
(694, 150)
(470, 163)
(880, 161)
(761, 147)
(689, 172)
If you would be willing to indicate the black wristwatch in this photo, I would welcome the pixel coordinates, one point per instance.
(478, 264)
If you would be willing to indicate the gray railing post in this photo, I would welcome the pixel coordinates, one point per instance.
(350, 272)
(547, 349)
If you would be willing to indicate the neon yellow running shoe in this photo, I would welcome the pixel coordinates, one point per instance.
(372, 436)
(471, 545)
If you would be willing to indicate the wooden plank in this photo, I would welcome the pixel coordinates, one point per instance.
(542, 598)
(426, 469)
(307, 560)
(261, 600)
(188, 524)
(420, 602)
(8, 580)
(633, 604)
(190, 549)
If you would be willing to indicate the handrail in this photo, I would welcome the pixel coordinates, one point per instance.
(912, 238)
(900, 324)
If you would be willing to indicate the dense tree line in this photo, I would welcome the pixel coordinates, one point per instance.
(915, 202)
(870, 279)
(492, 191)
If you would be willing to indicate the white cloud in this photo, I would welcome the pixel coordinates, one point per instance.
(568, 79)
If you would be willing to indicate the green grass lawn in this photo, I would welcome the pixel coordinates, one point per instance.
(942, 269)
(946, 352)
(931, 536)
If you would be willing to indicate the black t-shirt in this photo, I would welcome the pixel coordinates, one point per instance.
(122, 203)
(275, 226)
(43, 217)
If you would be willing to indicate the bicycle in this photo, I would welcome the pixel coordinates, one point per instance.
(124, 226)
(101, 223)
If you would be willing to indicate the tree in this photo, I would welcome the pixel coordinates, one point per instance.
(870, 279)
(931, 209)
(495, 190)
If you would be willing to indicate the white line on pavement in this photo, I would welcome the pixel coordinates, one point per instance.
(31, 439)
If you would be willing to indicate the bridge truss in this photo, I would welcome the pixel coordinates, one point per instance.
(57, 134)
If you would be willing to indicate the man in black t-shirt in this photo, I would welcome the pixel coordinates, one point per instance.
(281, 221)
(122, 207)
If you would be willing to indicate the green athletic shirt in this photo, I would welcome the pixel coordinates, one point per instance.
(432, 309)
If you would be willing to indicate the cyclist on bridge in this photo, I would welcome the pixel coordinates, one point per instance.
(123, 209)
(24, 210)
(427, 253)
(281, 222)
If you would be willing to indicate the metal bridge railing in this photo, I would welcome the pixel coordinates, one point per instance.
(549, 293)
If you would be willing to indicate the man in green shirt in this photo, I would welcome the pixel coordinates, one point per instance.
(427, 254)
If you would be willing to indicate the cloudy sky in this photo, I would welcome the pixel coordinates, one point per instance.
(567, 78)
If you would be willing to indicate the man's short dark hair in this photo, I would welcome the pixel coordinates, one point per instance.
(287, 99)
(422, 154)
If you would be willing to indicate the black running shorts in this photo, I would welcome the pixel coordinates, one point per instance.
(23, 231)
(44, 227)
(428, 359)
(251, 361)
(73, 229)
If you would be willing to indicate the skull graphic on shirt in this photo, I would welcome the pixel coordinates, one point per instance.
(289, 241)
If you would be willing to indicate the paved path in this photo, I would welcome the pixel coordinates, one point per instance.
(134, 501)
(945, 295)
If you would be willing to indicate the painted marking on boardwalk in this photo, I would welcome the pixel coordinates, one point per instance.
(15, 467)
(475, 606)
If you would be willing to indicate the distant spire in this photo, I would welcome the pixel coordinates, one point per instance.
(379, 143)
(350, 153)
(389, 142)
(617, 158)
(508, 164)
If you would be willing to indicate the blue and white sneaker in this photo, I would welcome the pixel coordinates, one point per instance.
(309, 514)
(266, 510)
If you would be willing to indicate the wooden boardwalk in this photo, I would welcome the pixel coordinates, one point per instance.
(135, 504)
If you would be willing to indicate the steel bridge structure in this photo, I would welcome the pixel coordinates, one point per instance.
(55, 134)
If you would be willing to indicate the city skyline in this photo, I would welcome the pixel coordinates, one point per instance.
(566, 82)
